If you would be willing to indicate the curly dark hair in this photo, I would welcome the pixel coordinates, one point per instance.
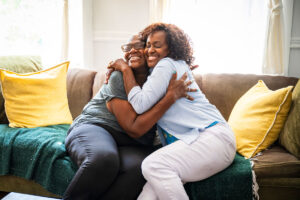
(179, 43)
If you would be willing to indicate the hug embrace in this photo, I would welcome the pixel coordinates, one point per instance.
(143, 94)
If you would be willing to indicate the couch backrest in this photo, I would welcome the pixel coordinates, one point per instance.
(98, 82)
(80, 84)
(222, 90)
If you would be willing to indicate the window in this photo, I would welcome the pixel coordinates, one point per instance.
(228, 36)
(32, 27)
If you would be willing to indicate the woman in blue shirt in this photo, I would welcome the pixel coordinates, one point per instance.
(200, 142)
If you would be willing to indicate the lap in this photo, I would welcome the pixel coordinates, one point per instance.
(89, 141)
(212, 152)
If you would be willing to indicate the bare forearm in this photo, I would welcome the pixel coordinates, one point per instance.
(129, 79)
(137, 125)
(143, 123)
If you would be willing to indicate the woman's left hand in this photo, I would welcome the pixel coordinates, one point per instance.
(180, 88)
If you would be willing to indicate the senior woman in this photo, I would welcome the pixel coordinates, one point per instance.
(199, 141)
(108, 123)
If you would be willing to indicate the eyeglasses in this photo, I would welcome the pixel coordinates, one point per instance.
(137, 46)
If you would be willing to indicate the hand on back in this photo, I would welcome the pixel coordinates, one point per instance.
(180, 88)
(117, 65)
(110, 68)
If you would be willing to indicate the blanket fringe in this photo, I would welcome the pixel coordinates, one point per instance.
(255, 186)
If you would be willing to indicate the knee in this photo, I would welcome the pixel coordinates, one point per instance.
(150, 166)
(96, 160)
(102, 162)
(75, 150)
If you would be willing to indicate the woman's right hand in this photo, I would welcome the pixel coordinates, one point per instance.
(107, 74)
(116, 65)
(180, 88)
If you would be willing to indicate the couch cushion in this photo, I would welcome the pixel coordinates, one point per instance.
(224, 90)
(80, 89)
(290, 135)
(279, 188)
(276, 162)
(38, 98)
(258, 117)
(19, 64)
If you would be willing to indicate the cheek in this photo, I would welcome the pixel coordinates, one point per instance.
(145, 51)
(126, 56)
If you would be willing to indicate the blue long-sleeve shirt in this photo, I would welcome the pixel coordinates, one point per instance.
(185, 119)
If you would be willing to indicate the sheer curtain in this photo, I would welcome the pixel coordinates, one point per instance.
(228, 36)
(274, 51)
(278, 36)
(80, 36)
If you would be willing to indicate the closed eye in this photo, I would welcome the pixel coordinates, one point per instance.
(154, 44)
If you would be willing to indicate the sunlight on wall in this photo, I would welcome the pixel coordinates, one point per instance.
(228, 36)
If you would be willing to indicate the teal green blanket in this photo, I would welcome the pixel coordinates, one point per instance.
(233, 183)
(37, 154)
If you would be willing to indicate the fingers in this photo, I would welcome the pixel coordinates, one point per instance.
(184, 76)
(174, 76)
(189, 97)
(189, 82)
(110, 64)
(192, 89)
(192, 67)
(107, 74)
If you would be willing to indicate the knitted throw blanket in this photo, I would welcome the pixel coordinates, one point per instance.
(233, 183)
(37, 154)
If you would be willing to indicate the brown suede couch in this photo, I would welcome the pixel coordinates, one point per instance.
(277, 171)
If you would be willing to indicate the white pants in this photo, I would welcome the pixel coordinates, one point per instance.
(167, 169)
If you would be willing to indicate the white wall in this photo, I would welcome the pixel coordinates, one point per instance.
(114, 21)
(294, 62)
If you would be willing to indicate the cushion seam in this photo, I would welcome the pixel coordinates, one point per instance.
(277, 164)
(273, 123)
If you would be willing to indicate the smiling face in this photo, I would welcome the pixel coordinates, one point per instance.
(135, 57)
(156, 48)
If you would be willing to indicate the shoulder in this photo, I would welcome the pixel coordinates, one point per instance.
(170, 62)
(115, 79)
(170, 65)
(116, 76)
(165, 64)
(115, 84)
(166, 61)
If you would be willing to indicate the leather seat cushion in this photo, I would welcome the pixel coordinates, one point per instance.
(276, 162)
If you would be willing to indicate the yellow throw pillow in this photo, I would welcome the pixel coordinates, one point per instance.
(36, 99)
(258, 117)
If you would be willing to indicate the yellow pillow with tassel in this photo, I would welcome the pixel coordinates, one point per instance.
(36, 99)
(258, 117)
